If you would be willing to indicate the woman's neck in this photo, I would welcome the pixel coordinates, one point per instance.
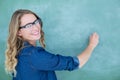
(32, 43)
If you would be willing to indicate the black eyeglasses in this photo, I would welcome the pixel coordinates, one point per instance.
(29, 25)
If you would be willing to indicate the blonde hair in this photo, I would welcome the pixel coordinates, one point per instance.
(15, 43)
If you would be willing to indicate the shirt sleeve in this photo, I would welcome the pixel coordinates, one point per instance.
(77, 61)
(43, 60)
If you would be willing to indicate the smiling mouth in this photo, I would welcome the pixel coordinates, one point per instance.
(35, 33)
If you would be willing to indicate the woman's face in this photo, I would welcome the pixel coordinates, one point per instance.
(29, 28)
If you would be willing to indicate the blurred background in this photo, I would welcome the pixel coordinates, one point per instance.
(67, 25)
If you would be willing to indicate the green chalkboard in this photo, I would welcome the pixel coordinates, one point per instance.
(67, 26)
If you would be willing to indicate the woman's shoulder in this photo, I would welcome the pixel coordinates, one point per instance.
(29, 49)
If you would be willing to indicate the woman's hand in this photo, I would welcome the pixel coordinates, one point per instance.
(93, 40)
(85, 55)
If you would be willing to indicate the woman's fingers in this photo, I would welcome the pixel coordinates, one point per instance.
(94, 39)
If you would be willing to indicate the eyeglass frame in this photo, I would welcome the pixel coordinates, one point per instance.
(32, 23)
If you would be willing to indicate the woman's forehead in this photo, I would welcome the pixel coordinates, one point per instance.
(27, 18)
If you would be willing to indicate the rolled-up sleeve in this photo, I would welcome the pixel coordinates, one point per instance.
(76, 60)
(43, 60)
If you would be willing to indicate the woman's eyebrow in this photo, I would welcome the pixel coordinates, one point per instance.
(30, 23)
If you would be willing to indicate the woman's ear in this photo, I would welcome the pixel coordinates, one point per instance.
(19, 33)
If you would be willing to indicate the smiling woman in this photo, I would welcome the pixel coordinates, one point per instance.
(30, 28)
(26, 61)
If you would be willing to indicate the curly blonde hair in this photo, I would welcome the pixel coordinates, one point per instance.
(15, 43)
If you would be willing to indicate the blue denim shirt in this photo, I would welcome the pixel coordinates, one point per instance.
(35, 63)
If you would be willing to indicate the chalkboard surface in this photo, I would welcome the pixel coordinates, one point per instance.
(67, 26)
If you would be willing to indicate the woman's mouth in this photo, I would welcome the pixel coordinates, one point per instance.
(35, 33)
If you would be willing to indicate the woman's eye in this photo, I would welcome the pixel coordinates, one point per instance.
(28, 26)
(36, 22)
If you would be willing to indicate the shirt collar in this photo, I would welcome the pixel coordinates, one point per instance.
(26, 43)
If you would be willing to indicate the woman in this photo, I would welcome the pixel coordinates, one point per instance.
(26, 61)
